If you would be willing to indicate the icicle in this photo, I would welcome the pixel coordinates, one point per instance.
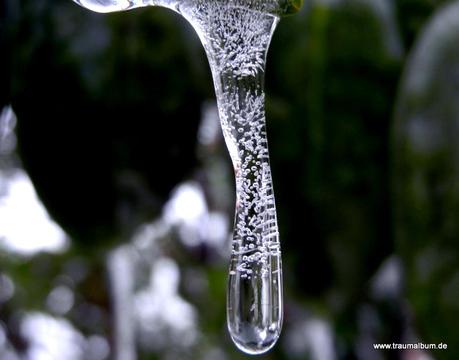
(236, 36)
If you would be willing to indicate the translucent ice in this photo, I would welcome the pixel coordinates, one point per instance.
(236, 36)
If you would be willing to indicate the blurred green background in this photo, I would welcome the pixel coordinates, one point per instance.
(115, 125)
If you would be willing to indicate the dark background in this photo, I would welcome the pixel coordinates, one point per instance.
(362, 121)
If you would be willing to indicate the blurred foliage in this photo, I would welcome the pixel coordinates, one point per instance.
(108, 111)
(427, 176)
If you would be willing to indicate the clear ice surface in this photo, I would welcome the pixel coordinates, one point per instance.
(236, 36)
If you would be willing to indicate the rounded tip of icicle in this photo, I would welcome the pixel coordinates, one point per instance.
(257, 343)
(254, 348)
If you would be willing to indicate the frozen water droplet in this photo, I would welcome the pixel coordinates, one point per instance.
(254, 307)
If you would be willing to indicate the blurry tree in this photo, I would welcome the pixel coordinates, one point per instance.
(95, 108)
(427, 179)
(334, 89)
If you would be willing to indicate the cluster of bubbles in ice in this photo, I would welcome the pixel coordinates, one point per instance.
(236, 39)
